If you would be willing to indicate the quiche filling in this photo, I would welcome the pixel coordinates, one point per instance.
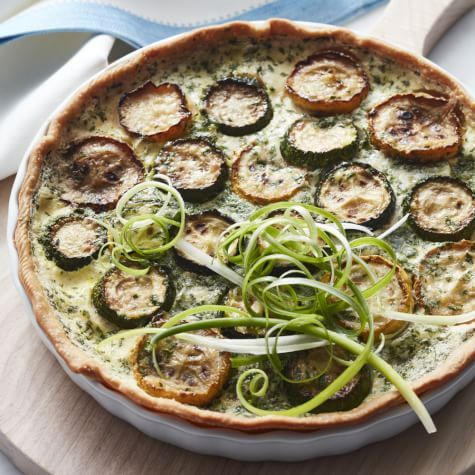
(258, 257)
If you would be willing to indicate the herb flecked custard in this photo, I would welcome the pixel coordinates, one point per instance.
(258, 227)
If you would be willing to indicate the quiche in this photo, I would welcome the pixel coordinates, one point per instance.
(258, 226)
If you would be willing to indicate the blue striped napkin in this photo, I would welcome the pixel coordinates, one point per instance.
(76, 15)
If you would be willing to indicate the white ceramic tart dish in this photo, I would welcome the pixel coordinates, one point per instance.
(250, 110)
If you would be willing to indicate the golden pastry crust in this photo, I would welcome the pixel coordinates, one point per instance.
(79, 362)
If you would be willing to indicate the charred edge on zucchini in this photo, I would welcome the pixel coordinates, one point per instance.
(96, 171)
(202, 231)
(158, 113)
(305, 364)
(238, 106)
(132, 301)
(417, 126)
(316, 143)
(397, 296)
(234, 299)
(190, 374)
(73, 241)
(441, 208)
(357, 193)
(260, 178)
(445, 281)
(328, 82)
(196, 168)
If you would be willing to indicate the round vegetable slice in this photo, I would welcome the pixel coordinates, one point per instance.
(95, 172)
(315, 143)
(196, 168)
(357, 193)
(307, 364)
(442, 208)
(234, 299)
(446, 279)
(202, 231)
(189, 373)
(73, 241)
(416, 126)
(158, 113)
(328, 82)
(396, 296)
(238, 106)
(132, 301)
(261, 177)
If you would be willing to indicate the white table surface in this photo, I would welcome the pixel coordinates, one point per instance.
(454, 52)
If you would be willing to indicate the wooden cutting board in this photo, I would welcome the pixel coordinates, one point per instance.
(49, 425)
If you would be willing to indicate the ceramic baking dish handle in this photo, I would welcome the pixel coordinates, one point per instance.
(418, 24)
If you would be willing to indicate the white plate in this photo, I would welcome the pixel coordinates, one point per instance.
(271, 445)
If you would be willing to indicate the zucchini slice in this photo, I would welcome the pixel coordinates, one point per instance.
(357, 193)
(261, 177)
(396, 296)
(202, 231)
(96, 171)
(416, 126)
(445, 284)
(190, 374)
(238, 106)
(442, 208)
(73, 241)
(328, 82)
(132, 301)
(196, 168)
(306, 364)
(316, 143)
(234, 299)
(158, 113)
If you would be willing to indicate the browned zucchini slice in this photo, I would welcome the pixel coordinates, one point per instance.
(96, 171)
(196, 168)
(357, 193)
(189, 373)
(238, 106)
(202, 231)
(132, 301)
(396, 296)
(316, 143)
(158, 113)
(73, 241)
(306, 364)
(416, 126)
(445, 284)
(234, 299)
(261, 177)
(442, 208)
(328, 82)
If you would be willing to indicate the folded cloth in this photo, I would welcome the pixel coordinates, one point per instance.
(55, 16)
(137, 22)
